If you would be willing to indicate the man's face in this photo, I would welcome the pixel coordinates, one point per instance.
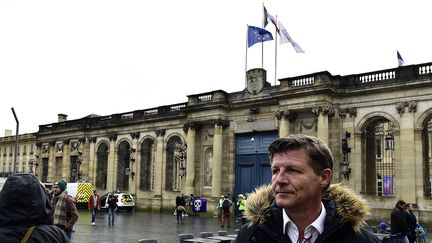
(294, 182)
(57, 190)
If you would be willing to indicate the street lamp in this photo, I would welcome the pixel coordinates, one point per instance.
(346, 170)
(131, 161)
(181, 158)
(31, 164)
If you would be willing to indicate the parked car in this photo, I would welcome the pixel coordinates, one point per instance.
(125, 200)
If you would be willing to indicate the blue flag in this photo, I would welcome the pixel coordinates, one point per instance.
(256, 35)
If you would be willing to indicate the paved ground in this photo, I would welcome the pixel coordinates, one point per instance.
(132, 226)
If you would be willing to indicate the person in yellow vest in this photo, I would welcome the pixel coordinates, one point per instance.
(219, 206)
(241, 203)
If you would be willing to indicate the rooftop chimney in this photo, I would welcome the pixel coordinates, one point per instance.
(62, 117)
(8, 133)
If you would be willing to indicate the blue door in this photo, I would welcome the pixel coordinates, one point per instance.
(252, 162)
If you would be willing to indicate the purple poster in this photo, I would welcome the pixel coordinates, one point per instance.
(388, 186)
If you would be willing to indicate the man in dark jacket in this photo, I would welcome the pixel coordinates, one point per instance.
(300, 205)
(24, 204)
(398, 223)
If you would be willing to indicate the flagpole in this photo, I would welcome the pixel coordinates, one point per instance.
(262, 43)
(275, 74)
(247, 28)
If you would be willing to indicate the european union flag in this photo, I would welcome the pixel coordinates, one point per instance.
(256, 35)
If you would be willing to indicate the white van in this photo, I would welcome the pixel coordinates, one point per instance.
(2, 182)
(125, 200)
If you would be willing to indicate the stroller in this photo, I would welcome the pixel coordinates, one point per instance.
(420, 233)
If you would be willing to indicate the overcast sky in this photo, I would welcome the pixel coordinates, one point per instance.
(105, 57)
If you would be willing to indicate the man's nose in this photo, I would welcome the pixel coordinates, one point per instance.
(281, 177)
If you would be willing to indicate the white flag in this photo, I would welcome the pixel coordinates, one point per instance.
(401, 61)
(285, 38)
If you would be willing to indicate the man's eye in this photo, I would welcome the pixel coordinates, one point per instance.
(292, 170)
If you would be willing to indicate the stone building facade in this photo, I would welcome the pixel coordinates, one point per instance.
(377, 124)
(26, 153)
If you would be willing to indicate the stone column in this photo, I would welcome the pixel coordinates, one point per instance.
(66, 159)
(158, 170)
(111, 176)
(323, 127)
(133, 181)
(285, 117)
(51, 162)
(406, 167)
(217, 161)
(190, 161)
(92, 167)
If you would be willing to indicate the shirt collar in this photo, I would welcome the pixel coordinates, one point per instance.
(318, 223)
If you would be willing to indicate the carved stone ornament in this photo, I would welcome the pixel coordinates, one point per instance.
(221, 122)
(325, 110)
(279, 114)
(135, 135)
(74, 146)
(351, 111)
(255, 79)
(160, 132)
(411, 105)
(303, 125)
(45, 148)
(59, 147)
(400, 107)
(112, 136)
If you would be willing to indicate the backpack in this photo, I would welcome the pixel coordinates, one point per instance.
(226, 205)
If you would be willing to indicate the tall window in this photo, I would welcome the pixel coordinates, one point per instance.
(59, 168)
(379, 158)
(44, 169)
(147, 165)
(171, 171)
(102, 166)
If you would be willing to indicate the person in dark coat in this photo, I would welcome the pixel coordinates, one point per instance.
(300, 205)
(24, 203)
(180, 207)
(411, 222)
(112, 207)
(398, 223)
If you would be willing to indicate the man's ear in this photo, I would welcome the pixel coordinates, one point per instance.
(326, 176)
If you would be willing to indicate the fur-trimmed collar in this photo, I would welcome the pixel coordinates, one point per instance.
(350, 207)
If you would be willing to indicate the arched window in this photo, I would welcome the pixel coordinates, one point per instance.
(147, 165)
(427, 158)
(378, 162)
(102, 166)
(123, 168)
(171, 171)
